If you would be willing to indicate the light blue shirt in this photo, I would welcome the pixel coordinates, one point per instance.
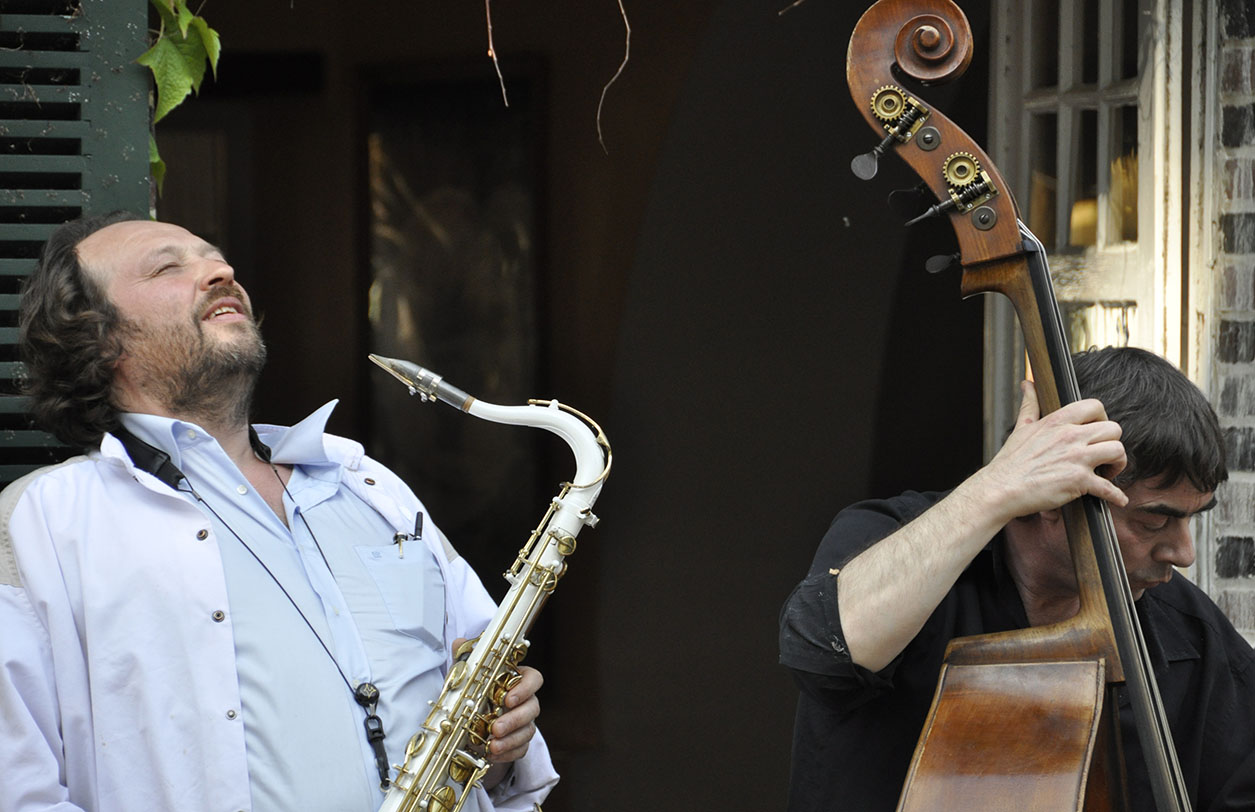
(379, 611)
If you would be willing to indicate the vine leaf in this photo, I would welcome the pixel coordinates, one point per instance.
(175, 77)
(177, 58)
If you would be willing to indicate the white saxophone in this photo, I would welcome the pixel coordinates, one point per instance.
(444, 760)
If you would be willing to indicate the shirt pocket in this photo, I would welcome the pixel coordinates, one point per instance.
(412, 589)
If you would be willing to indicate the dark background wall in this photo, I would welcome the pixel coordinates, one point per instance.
(750, 324)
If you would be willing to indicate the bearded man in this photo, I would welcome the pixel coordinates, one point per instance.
(197, 613)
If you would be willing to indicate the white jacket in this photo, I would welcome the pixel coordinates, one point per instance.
(115, 680)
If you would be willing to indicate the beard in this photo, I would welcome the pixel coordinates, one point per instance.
(204, 378)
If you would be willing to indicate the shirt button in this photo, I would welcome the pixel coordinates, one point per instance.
(202, 534)
(219, 616)
(231, 714)
(241, 490)
(191, 435)
(370, 481)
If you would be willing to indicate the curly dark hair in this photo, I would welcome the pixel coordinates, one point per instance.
(68, 339)
(1169, 429)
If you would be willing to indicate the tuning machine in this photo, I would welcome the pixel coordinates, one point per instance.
(969, 187)
(901, 114)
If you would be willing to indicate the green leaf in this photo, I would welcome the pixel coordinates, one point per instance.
(156, 166)
(166, 9)
(178, 64)
(194, 55)
(177, 61)
(185, 16)
(170, 70)
(210, 40)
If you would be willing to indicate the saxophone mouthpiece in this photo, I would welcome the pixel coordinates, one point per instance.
(412, 375)
(423, 382)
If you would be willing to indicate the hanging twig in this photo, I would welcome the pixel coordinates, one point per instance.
(627, 51)
(492, 51)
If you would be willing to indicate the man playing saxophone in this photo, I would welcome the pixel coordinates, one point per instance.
(202, 614)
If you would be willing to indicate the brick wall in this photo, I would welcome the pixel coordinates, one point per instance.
(1234, 392)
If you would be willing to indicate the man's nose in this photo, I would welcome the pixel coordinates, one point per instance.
(216, 272)
(1178, 548)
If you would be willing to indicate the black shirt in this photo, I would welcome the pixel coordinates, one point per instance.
(856, 730)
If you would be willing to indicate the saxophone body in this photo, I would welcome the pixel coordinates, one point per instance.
(445, 760)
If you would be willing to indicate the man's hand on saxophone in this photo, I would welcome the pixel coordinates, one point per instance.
(512, 732)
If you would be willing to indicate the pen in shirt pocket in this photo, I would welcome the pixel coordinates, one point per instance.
(400, 538)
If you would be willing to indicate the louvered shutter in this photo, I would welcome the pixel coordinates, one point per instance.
(73, 139)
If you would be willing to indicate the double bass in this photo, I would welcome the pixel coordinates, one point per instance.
(1025, 719)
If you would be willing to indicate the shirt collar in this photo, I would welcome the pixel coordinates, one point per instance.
(302, 444)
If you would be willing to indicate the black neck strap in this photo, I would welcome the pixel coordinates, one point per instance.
(153, 460)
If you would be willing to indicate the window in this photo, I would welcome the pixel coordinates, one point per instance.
(1087, 129)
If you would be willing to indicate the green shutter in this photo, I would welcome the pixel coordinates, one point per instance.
(73, 139)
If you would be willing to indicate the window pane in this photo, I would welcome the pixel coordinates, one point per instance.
(1123, 197)
(1097, 324)
(1044, 43)
(1130, 25)
(1043, 177)
(1089, 38)
(1083, 228)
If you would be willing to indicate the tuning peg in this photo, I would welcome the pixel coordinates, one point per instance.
(934, 211)
(864, 166)
(906, 202)
(941, 262)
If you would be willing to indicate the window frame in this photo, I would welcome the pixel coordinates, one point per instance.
(1160, 294)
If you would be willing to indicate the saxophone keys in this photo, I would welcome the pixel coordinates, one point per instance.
(456, 675)
(464, 650)
(502, 687)
(461, 768)
(443, 800)
(566, 543)
(478, 728)
(544, 579)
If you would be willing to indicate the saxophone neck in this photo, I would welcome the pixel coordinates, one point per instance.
(586, 439)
